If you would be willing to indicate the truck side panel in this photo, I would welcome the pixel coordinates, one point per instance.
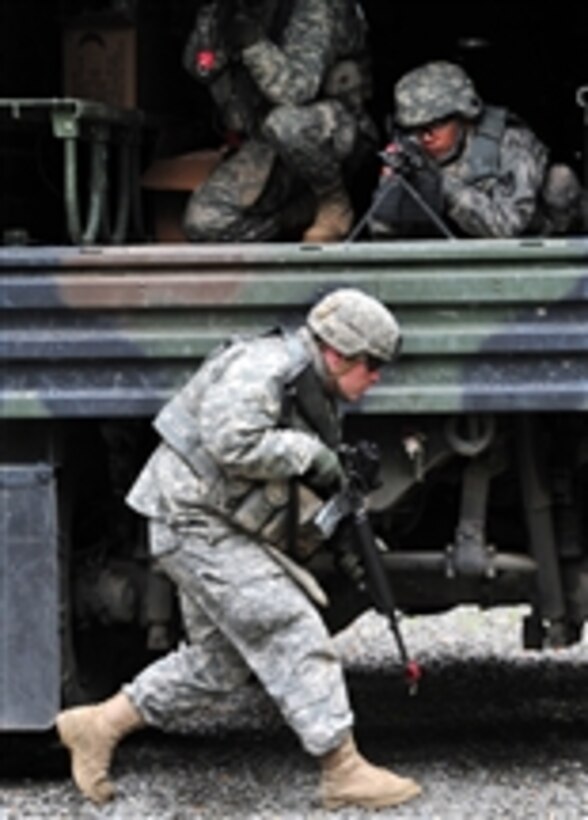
(488, 326)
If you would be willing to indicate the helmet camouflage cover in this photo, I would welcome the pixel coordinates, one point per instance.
(433, 92)
(353, 323)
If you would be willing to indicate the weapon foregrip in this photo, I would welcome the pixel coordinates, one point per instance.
(331, 514)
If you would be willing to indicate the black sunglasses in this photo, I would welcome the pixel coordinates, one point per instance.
(372, 363)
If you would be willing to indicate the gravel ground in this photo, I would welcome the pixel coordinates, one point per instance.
(495, 732)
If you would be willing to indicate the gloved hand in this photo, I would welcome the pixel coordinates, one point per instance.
(405, 156)
(243, 30)
(391, 158)
(325, 472)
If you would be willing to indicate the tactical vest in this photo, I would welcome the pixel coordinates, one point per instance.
(264, 508)
(481, 155)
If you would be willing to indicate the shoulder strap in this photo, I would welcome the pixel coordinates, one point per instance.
(484, 149)
(304, 392)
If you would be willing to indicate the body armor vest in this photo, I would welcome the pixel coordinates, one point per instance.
(263, 509)
(483, 150)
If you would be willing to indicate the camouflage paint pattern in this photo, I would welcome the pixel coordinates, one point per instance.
(487, 325)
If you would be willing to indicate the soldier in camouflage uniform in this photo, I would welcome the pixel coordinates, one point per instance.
(290, 79)
(477, 166)
(256, 423)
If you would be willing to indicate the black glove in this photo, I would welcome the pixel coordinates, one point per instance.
(243, 30)
(325, 473)
(399, 209)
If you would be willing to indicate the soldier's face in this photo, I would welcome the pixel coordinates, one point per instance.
(440, 139)
(352, 377)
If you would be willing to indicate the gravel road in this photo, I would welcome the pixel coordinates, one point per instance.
(495, 732)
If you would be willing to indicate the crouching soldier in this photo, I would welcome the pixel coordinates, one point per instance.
(290, 81)
(472, 169)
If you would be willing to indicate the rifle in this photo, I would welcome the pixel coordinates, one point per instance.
(407, 159)
(347, 507)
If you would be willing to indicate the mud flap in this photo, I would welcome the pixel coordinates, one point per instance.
(29, 597)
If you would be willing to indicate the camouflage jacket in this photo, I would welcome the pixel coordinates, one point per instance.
(317, 35)
(492, 189)
(227, 446)
(291, 67)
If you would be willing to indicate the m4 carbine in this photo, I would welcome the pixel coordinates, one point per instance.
(414, 176)
(347, 510)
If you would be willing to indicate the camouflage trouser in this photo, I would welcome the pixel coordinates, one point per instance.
(243, 614)
(266, 189)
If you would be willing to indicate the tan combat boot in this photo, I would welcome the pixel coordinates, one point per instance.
(349, 780)
(91, 733)
(333, 218)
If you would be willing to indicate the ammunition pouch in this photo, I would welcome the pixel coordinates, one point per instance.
(262, 509)
(263, 512)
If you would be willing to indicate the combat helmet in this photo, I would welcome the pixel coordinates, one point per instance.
(433, 92)
(353, 323)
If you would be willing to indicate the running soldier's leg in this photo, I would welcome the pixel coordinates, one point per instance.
(171, 693)
(269, 627)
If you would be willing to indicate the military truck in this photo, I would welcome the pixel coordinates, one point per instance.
(480, 423)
